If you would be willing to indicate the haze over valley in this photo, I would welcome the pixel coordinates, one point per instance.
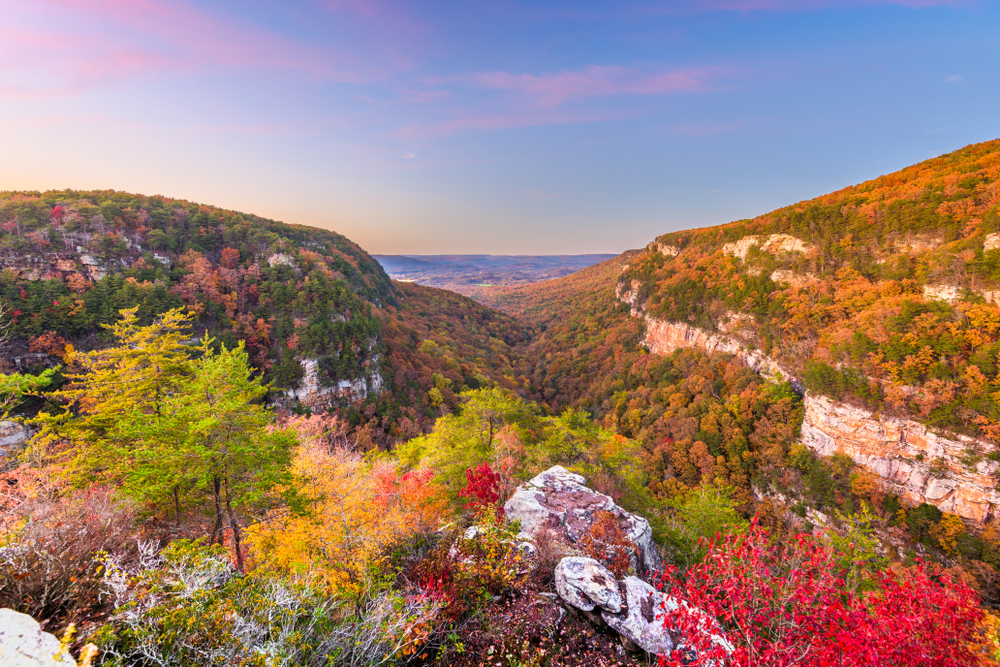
(479, 275)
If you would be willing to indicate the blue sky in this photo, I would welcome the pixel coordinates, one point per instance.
(490, 127)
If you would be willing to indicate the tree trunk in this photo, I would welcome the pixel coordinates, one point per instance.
(217, 529)
(235, 525)
(177, 507)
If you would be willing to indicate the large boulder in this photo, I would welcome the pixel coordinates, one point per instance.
(644, 621)
(586, 584)
(23, 644)
(558, 503)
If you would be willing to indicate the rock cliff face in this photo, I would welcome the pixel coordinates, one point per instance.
(56, 266)
(774, 244)
(917, 464)
(312, 394)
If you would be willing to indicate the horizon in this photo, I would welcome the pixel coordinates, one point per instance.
(501, 129)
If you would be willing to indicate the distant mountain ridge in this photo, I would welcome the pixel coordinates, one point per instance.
(478, 276)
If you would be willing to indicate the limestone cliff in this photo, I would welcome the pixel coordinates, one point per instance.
(946, 470)
(312, 393)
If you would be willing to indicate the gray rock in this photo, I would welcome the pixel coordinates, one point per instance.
(557, 502)
(13, 437)
(23, 644)
(586, 584)
(643, 622)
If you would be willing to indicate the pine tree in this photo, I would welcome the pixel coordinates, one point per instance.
(170, 423)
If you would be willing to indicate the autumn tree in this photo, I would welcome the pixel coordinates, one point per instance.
(356, 510)
(169, 423)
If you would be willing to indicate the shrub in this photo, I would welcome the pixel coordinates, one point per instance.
(188, 606)
(483, 562)
(49, 550)
(482, 489)
(789, 604)
(606, 542)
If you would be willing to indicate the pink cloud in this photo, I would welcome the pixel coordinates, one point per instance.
(549, 90)
(57, 47)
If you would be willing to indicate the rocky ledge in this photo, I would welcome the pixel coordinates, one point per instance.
(949, 471)
(556, 504)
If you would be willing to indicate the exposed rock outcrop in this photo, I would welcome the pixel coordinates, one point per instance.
(312, 393)
(774, 244)
(947, 293)
(54, 265)
(663, 248)
(992, 242)
(664, 337)
(921, 466)
(918, 243)
(587, 585)
(23, 644)
(13, 437)
(643, 621)
(557, 502)
(792, 278)
(918, 464)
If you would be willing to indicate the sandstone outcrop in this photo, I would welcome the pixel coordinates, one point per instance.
(312, 393)
(13, 437)
(663, 248)
(992, 242)
(792, 278)
(664, 337)
(774, 244)
(556, 502)
(587, 585)
(916, 463)
(918, 243)
(947, 293)
(53, 266)
(24, 644)
(949, 471)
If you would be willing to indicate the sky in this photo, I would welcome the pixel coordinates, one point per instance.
(540, 127)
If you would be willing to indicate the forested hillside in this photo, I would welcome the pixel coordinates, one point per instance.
(249, 447)
(317, 314)
(880, 295)
(71, 260)
(883, 293)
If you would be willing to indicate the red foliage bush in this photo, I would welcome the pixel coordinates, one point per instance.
(608, 543)
(483, 488)
(788, 603)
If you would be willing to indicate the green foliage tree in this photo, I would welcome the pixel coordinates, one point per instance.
(170, 423)
(15, 386)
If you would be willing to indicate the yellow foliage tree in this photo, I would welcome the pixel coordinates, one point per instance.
(357, 510)
(947, 531)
